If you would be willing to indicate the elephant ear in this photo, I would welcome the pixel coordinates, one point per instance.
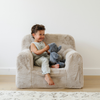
(59, 48)
(51, 46)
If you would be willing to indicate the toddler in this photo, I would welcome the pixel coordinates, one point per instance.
(40, 52)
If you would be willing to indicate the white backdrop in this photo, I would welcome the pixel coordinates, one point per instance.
(79, 18)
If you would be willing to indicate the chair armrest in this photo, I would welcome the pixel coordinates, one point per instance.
(66, 51)
(24, 63)
(74, 68)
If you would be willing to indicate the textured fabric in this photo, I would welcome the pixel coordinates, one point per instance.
(30, 76)
(47, 95)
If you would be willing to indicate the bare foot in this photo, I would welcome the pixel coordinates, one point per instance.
(55, 66)
(49, 79)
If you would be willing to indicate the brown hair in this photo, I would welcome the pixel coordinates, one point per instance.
(36, 28)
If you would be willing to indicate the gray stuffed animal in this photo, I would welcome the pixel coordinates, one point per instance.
(54, 56)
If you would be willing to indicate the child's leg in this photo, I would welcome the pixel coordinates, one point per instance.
(43, 62)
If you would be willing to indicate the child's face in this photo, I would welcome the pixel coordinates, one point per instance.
(39, 36)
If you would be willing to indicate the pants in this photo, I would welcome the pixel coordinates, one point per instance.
(43, 62)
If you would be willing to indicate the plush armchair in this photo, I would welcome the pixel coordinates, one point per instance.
(30, 76)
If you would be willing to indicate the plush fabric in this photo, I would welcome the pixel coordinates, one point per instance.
(30, 76)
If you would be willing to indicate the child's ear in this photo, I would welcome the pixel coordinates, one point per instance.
(33, 34)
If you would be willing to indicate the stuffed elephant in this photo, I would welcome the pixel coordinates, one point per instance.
(54, 56)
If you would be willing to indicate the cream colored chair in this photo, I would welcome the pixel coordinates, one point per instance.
(30, 76)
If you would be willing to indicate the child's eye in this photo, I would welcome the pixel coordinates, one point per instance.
(41, 34)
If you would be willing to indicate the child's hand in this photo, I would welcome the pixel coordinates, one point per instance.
(48, 52)
(46, 47)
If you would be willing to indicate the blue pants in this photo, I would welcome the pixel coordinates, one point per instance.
(43, 62)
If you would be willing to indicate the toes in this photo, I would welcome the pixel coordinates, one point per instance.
(57, 64)
(52, 84)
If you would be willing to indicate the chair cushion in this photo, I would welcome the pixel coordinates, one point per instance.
(54, 72)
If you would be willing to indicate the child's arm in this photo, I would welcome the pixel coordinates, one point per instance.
(36, 51)
(47, 50)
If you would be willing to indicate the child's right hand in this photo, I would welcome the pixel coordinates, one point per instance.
(46, 47)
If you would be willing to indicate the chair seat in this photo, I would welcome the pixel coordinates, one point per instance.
(55, 72)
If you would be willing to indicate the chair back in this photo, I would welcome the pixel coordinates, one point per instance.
(65, 40)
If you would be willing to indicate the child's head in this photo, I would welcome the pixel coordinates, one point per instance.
(38, 32)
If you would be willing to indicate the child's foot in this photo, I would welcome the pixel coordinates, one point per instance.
(49, 79)
(55, 66)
